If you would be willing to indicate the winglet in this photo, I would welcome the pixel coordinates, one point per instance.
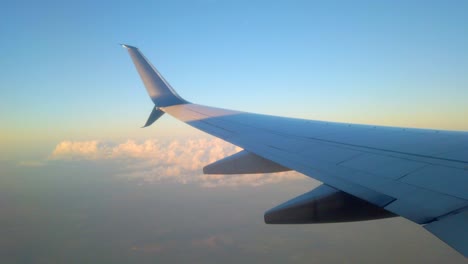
(155, 115)
(157, 87)
(127, 46)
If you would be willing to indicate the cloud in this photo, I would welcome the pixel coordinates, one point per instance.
(153, 160)
(79, 150)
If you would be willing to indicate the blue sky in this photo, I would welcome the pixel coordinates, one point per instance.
(79, 172)
(64, 76)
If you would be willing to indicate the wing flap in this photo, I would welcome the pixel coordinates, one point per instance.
(440, 179)
(383, 166)
(453, 230)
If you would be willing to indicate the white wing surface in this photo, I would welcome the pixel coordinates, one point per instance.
(368, 172)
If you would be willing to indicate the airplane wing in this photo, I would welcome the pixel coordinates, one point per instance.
(368, 172)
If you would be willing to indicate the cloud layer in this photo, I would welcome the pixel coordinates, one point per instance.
(153, 161)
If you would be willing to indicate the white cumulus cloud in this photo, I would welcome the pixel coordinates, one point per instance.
(153, 160)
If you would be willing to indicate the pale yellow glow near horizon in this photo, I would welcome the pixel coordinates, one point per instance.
(15, 140)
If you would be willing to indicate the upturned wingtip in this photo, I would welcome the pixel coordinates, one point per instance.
(127, 46)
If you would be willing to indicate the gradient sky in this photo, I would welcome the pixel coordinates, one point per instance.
(65, 80)
(64, 76)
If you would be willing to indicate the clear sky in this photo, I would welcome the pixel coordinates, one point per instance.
(71, 103)
(64, 76)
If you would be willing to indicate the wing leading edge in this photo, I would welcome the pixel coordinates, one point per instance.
(419, 174)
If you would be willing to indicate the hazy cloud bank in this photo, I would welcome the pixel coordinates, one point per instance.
(153, 161)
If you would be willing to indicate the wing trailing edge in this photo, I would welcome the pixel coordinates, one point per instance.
(452, 230)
